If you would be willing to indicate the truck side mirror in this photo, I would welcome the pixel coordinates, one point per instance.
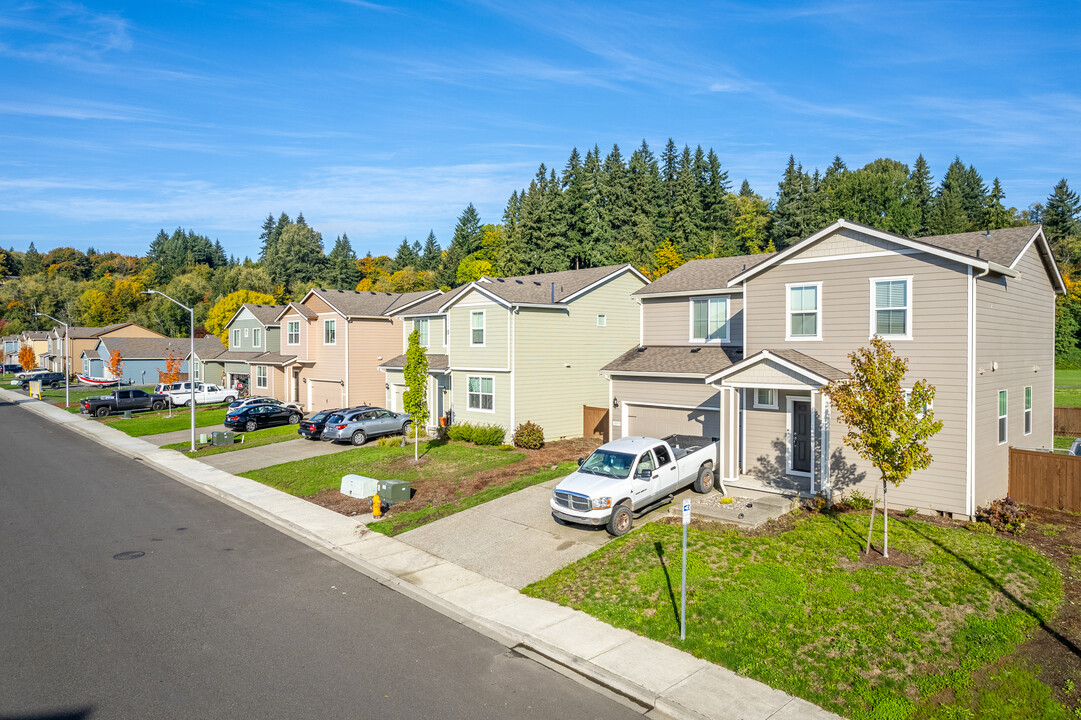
(645, 473)
(581, 462)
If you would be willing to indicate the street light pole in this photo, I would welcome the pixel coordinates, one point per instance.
(67, 369)
(191, 357)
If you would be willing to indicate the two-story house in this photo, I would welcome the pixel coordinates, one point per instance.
(335, 341)
(253, 356)
(86, 338)
(973, 313)
(38, 340)
(10, 349)
(526, 348)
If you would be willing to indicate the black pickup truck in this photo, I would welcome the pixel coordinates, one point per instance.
(122, 400)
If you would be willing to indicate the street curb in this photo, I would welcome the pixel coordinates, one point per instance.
(619, 688)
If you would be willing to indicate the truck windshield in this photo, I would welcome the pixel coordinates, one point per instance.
(609, 464)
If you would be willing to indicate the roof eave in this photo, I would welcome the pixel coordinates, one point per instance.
(639, 373)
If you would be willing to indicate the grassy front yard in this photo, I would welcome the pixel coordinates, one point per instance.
(268, 436)
(153, 423)
(798, 609)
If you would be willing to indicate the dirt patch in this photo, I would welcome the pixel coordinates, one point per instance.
(435, 491)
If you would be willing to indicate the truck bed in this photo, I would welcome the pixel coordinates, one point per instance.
(683, 445)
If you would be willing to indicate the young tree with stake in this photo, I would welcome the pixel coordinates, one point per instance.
(115, 367)
(416, 381)
(27, 357)
(886, 425)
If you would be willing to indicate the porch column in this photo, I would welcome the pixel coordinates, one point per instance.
(826, 485)
(814, 438)
(734, 454)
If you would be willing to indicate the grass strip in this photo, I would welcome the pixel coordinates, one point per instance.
(155, 423)
(399, 523)
(268, 436)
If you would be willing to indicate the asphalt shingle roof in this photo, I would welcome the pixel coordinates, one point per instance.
(1002, 247)
(435, 362)
(676, 359)
(707, 274)
(809, 363)
(266, 314)
(367, 304)
(431, 305)
(304, 310)
(146, 348)
(544, 288)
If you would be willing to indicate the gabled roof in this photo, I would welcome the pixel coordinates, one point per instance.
(146, 348)
(543, 289)
(792, 359)
(36, 334)
(674, 360)
(266, 314)
(209, 347)
(431, 305)
(988, 251)
(303, 310)
(91, 354)
(701, 275)
(350, 303)
(412, 299)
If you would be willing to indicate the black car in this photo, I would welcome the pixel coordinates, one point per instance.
(253, 417)
(49, 379)
(11, 368)
(312, 428)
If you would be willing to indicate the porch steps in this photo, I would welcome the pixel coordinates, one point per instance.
(747, 509)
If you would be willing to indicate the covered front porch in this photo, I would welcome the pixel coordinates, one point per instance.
(777, 419)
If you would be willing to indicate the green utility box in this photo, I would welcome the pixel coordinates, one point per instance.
(393, 491)
(222, 438)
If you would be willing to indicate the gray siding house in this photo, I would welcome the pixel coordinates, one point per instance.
(143, 358)
(973, 313)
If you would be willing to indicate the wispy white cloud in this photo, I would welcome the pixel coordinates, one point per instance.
(74, 109)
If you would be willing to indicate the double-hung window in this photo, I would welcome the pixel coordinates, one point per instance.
(709, 319)
(198, 369)
(891, 307)
(1003, 406)
(804, 303)
(421, 326)
(476, 328)
(329, 332)
(256, 337)
(260, 376)
(236, 338)
(1028, 409)
(293, 336)
(481, 393)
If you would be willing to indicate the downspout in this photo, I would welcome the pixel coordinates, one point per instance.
(511, 357)
(970, 465)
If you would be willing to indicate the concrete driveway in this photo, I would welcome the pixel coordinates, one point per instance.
(513, 539)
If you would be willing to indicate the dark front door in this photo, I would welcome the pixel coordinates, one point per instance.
(801, 436)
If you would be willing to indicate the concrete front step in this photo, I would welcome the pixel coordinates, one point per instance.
(747, 510)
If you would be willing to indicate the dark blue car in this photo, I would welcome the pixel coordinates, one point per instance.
(253, 417)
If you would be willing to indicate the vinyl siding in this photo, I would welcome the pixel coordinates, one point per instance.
(937, 352)
(435, 333)
(1015, 327)
(300, 350)
(767, 444)
(667, 321)
(767, 372)
(274, 340)
(559, 353)
(501, 401)
(436, 385)
(246, 322)
(495, 353)
(371, 342)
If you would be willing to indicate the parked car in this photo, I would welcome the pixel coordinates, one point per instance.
(204, 394)
(631, 475)
(27, 373)
(120, 400)
(312, 428)
(244, 402)
(49, 379)
(359, 424)
(253, 417)
(11, 368)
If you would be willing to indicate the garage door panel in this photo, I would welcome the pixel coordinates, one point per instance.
(662, 421)
(324, 395)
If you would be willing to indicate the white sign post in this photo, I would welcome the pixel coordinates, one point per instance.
(683, 602)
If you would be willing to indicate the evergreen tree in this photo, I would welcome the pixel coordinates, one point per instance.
(716, 211)
(997, 214)
(948, 214)
(974, 198)
(686, 210)
(920, 195)
(615, 206)
(512, 260)
(405, 257)
(646, 192)
(342, 271)
(467, 232)
(297, 258)
(1060, 214)
(574, 205)
(272, 230)
(790, 216)
(669, 171)
(431, 254)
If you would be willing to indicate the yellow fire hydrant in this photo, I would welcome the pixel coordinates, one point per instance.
(377, 507)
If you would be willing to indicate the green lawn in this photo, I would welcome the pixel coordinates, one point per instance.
(797, 611)
(269, 436)
(403, 522)
(153, 423)
(442, 460)
(1068, 377)
(1063, 441)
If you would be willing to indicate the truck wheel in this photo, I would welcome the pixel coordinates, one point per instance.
(157, 405)
(229, 399)
(102, 412)
(621, 521)
(359, 438)
(250, 426)
(704, 483)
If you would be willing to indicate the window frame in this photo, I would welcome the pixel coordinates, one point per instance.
(424, 335)
(1003, 419)
(907, 335)
(483, 328)
(480, 393)
(788, 336)
(1028, 410)
(289, 332)
(236, 338)
(261, 376)
(708, 299)
(766, 406)
(602, 320)
(197, 372)
(332, 325)
(256, 337)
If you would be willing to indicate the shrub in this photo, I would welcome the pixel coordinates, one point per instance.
(528, 435)
(389, 441)
(460, 432)
(1005, 515)
(980, 528)
(477, 434)
(858, 501)
(506, 448)
(909, 512)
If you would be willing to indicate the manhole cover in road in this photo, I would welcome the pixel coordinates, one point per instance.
(129, 555)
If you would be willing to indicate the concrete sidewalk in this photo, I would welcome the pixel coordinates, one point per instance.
(178, 436)
(655, 678)
(238, 461)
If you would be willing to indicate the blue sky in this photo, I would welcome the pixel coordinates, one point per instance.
(384, 120)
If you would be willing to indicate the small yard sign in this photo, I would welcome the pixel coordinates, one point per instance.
(687, 511)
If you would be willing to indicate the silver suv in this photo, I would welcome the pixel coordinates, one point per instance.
(360, 423)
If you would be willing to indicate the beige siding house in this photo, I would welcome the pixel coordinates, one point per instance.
(973, 313)
(86, 338)
(526, 348)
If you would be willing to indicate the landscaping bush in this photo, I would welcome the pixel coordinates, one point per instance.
(477, 434)
(909, 512)
(1005, 515)
(461, 432)
(528, 435)
(858, 501)
(981, 528)
(389, 441)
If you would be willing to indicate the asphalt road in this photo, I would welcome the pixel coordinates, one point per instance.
(221, 616)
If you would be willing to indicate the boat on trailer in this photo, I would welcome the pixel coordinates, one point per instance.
(99, 382)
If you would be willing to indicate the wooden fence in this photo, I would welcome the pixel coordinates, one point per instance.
(1045, 479)
(595, 422)
(1068, 421)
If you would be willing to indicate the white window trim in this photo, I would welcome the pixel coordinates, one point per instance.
(1006, 439)
(261, 381)
(446, 332)
(236, 338)
(908, 397)
(330, 320)
(256, 338)
(788, 312)
(602, 320)
(483, 327)
(766, 406)
(908, 308)
(426, 336)
(198, 370)
(1028, 410)
(246, 332)
(727, 319)
(289, 333)
(479, 377)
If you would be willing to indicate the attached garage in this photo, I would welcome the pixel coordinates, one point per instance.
(324, 394)
(660, 421)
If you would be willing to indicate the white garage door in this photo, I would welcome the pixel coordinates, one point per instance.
(323, 394)
(662, 421)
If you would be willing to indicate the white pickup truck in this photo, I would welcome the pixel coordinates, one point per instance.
(628, 476)
(204, 393)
